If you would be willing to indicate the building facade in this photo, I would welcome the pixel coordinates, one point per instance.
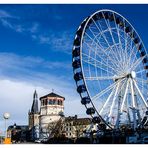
(50, 121)
(18, 133)
(51, 110)
(75, 127)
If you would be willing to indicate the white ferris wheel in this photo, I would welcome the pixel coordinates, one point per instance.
(110, 65)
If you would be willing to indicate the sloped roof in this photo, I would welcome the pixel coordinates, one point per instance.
(78, 121)
(34, 108)
(18, 127)
(52, 95)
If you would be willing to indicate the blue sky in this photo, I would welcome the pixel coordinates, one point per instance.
(35, 52)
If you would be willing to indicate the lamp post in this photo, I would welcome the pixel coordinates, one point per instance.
(6, 117)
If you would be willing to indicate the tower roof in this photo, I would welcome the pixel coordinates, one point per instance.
(34, 108)
(35, 95)
(52, 95)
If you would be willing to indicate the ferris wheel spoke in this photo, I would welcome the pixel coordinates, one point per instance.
(140, 71)
(98, 63)
(139, 60)
(109, 28)
(119, 36)
(142, 85)
(100, 55)
(99, 67)
(145, 103)
(105, 90)
(114, 62)
(135, 56)
(106, 102)
(126, 42)
(100, 30)
(99, 78)
(127, 59)
(130, 57)
(142, 80)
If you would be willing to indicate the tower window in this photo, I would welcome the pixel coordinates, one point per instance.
(49, 102)
(54, 102)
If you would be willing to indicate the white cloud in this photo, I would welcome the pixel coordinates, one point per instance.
(5, 14)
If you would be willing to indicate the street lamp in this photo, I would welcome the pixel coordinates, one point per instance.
(6, 117)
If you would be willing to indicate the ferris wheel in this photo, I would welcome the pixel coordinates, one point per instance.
(110, 65)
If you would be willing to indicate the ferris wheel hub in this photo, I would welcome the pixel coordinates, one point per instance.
(133, 74)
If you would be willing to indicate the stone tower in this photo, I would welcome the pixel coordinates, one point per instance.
(51, 110)
(33, 116)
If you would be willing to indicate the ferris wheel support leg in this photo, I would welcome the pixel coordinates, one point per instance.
(119, 113)
(134, 118)
(145, 103)
(122, 105)
(106, 102)
(133, 104)
(114, 99)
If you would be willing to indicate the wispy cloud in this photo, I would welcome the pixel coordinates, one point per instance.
(13, 62)
(20, 28)
(57, 41)
(5, 14)
(14, 22)
(62, 42)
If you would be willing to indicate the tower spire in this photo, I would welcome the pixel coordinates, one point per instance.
(35, 95)
(34, 108)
